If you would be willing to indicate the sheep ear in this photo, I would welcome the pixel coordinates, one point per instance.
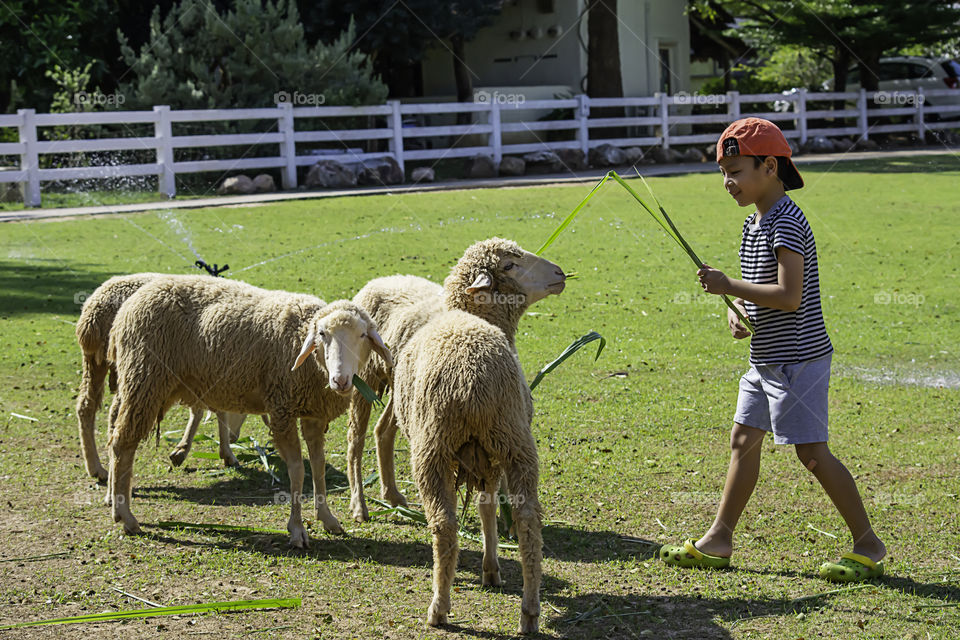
(483, 281)
(376, 343)
(308, 347)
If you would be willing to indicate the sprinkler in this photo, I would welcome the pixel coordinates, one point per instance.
(215, 270)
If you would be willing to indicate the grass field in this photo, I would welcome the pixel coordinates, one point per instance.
(633, 447)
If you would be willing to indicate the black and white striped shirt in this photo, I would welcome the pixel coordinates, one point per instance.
(782, 337)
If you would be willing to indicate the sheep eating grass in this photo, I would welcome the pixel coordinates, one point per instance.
(230, 346)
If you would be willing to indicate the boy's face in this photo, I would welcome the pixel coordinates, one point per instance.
(746, 182)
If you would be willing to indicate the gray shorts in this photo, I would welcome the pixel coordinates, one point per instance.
(788, 399)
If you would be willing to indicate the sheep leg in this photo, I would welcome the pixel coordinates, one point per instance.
(435, 480)
(126, 430)
(522, 478)
(228, 425)
(356, 434)
(182, 450)
(89, 398)
(487, 506)
(386, 434)
(314, 432)
(287, 441)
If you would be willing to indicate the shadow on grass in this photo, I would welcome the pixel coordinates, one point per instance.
(46, 286)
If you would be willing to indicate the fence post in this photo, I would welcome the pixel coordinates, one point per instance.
(29, 159)
(163, 133)
(495, 140)
(395, 122)
(918, 117)
(733, 105)
(288, 148)
(862, 116)
(582, 115)
(664, 119)
(802, 114)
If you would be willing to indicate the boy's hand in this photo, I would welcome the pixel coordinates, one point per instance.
(713, 280)
(736, 327)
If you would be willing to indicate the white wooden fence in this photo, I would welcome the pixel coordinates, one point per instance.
(656, 121)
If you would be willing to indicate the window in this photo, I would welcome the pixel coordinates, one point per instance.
(666, 72)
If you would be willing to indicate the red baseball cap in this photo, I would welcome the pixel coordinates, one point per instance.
(759, 137)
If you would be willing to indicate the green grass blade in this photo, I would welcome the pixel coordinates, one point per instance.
(207, 607)
(573, 214)
(569, 351)
(264, 459)
(177, 524)
(366, 391)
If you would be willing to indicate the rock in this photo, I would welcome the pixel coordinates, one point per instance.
(264, 183)
(819, 144)
(235, 185)
(11, 192)
(572, 159)
(692, 155)
(843, 145)
(423, 174)
(330, 174)
(606, 155)
(710, 151)
(481, 166)
(390, 172)
(632, 155)
(868, 145)
(543, 162)
(665, 156)
(794, 147)
(512, 166)
(370, 177)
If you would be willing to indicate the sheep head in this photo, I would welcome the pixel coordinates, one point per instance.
(342, 336)
(499, 274)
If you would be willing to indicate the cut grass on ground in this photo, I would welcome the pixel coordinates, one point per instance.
(633, 447)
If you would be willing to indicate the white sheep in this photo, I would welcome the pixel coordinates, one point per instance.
(93, 332)
(230, 346)
(400, 305)
(460, 396)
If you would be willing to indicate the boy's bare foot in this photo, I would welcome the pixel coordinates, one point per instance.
(714, 546)
(871, 547)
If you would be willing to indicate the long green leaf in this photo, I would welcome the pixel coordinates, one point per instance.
(418, 516)
(177, 524)
(569, 351)
(662, 219)
(366, 391)
(207, 607)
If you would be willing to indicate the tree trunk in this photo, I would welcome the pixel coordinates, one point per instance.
(869, 66)
(461, 75)
(603, 61)
(841, 63)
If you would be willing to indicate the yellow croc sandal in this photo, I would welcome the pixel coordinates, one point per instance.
(687, 555)
(852, 567)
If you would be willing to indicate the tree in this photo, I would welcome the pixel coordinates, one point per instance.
(603, 60)
(845, 31)
(397, 35)
(252, 56)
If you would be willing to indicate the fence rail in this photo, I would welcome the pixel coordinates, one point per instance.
(660, 120)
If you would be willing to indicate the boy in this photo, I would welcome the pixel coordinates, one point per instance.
(785, 390)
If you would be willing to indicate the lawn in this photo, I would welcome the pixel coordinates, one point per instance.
(633, 447)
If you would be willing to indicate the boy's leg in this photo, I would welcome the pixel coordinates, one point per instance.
(745, 449)
(842, 489)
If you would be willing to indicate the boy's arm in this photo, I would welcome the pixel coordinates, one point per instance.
(784, 295)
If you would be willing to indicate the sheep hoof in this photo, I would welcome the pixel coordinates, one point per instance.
(299, 539)
(177, 456)
(434, 617)
(360, 514)
(491, 579)
(395, 498)
(231, 462)
(332, 526)
(100, 474)
(528, 624)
